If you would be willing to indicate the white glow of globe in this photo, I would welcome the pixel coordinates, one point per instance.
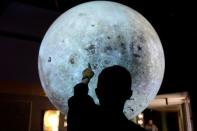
(103, 34)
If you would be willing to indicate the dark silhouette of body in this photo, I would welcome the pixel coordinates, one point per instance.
(113, 89)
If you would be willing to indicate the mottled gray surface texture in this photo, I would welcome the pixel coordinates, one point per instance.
(103, 34)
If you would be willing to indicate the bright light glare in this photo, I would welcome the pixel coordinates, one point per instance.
(140, 116)
(140, 122)
(51, 120)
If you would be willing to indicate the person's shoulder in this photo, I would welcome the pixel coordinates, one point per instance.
(70, 100)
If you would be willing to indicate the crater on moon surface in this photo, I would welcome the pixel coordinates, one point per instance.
(103, 34)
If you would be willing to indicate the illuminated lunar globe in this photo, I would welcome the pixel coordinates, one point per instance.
(103, 34)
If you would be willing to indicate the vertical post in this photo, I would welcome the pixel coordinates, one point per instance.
(164, 121)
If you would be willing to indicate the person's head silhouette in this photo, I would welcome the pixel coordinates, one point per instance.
(114, 88)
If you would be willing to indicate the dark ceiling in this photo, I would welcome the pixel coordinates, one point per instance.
(24, 22)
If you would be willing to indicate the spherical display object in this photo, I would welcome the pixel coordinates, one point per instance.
(103, 34)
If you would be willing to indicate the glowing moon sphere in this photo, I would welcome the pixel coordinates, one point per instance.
(103, 34)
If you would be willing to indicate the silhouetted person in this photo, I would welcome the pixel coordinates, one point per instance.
(113, 89)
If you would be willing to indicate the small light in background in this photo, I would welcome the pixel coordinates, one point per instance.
(51, 120)
(65, 121)
(65, 124)
(140, 119)
(140, 116)
(140, 122)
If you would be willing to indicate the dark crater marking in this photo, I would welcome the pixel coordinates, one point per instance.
(72, 60)
(106, 62)
(108, 48)
(91, 49)
(139, 48)
(123, 46)
(95, 66)
(141, 38)
(136, 55)
(49, 60)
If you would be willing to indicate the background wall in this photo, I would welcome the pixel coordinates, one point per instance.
(22, 107)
